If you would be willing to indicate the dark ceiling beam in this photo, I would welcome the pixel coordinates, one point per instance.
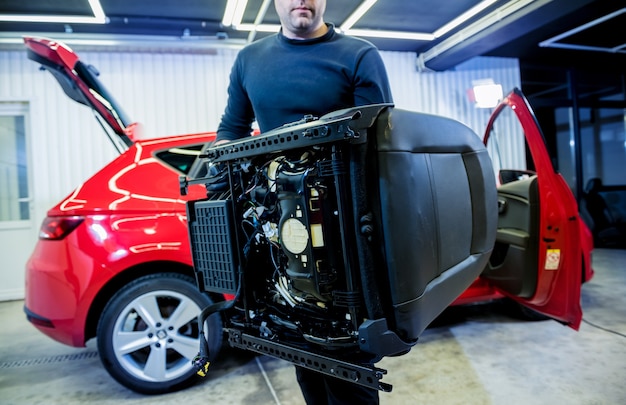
(471, 42)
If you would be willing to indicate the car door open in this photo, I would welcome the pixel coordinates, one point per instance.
(538, 259)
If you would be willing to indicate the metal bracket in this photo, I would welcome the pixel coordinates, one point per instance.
(363, 375)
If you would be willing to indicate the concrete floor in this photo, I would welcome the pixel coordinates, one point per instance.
(471, 355)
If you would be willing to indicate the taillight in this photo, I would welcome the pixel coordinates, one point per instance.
(55, 228)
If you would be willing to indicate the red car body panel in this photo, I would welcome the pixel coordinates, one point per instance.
(134, 215)
(135, 219)
(480, 291)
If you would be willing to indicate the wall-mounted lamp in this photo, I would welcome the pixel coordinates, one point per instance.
(485, 93)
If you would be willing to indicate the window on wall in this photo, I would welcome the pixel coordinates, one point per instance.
(14, 184)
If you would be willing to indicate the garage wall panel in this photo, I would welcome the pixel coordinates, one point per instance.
(169, 93)
(445, 93)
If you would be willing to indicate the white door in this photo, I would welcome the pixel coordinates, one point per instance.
(17, 231)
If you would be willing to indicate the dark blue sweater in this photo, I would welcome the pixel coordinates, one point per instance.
(277, 80)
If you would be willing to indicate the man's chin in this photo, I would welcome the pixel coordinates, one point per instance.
(302, 23)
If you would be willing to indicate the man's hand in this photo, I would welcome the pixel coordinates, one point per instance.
(218, 178)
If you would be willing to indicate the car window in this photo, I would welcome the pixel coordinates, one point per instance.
(508, 149)
(180, 158)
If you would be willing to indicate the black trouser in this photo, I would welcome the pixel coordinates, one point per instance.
(320, 389)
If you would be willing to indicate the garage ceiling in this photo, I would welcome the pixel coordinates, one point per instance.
(555, 31)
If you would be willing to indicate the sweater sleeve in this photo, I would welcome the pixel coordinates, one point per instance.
(238, 116)
(371, 83)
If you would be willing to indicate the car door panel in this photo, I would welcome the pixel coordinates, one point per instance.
(538, 260)
(512, 265)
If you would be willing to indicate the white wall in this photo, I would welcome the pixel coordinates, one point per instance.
(173, 93)
(445, 93)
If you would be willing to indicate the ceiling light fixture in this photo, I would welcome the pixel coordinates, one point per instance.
(233, 14)
(365, 6)
(258, 28)
(512, 9)
(98, 16)
(357, 14)
(259, 17)
(415, 36)
(463, 17)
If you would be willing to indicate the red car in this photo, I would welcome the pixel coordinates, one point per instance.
(113, 259)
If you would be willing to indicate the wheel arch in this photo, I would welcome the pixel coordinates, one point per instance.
(127, 276)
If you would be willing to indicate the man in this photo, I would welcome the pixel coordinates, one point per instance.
(306, 69)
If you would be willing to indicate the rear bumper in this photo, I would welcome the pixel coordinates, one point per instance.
(54, 291)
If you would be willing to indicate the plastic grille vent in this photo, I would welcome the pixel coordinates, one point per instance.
(211, 244)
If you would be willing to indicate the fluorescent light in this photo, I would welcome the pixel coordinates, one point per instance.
(97, 10)
(98, 17)
(259, 28)
(259, 18)
(233, 14)
(241, 8)
(358, 13)
(235, 9)
(463, 17)
(150, 43)
(229, 13)
(511, 9)
(415, 36)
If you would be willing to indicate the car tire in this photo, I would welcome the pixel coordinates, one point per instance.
(148, 333)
